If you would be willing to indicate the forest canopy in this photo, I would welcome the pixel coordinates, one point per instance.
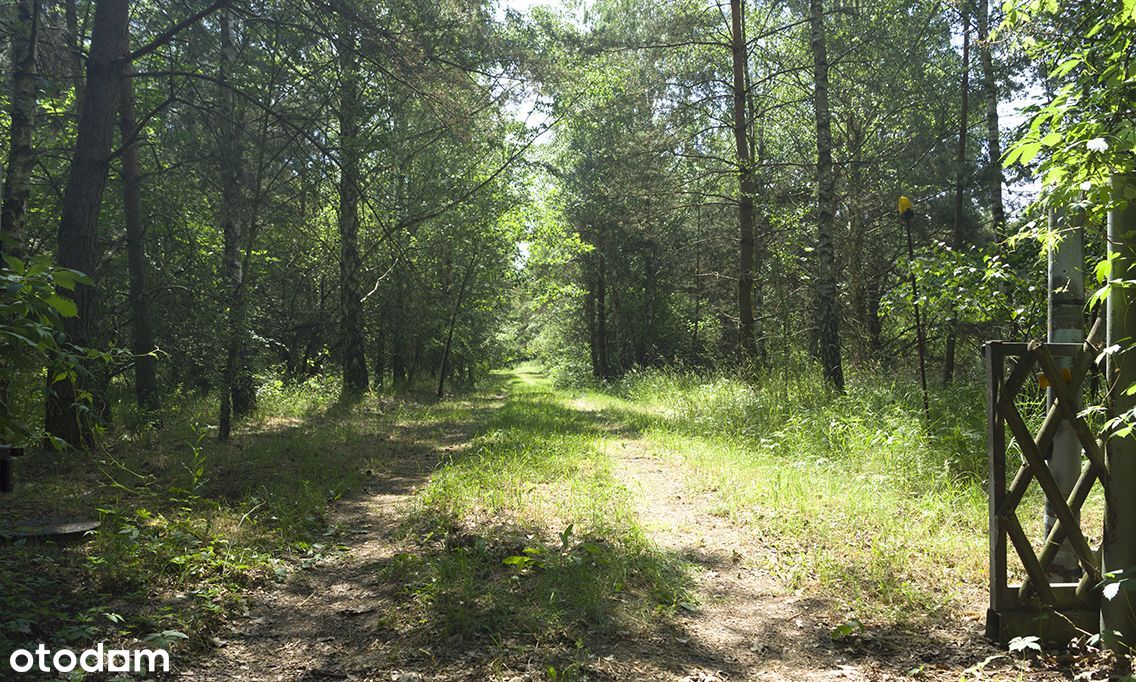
(388, 191)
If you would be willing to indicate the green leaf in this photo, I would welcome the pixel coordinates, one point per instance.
(1064, 68)
(1111, 590)
(1020, 644)
(65, 306)
(1103, 269)
(846, 630)
(1028, 152)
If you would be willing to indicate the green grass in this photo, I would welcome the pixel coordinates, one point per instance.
(527, 531)
(856, 498)
(190, 524)
(524, 531)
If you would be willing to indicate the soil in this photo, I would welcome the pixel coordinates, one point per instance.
(340, 621)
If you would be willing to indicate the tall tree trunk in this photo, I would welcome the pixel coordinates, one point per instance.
(745, 181)
(618, 324)
(993, 126)
(603, 365)
(142, 325)
(380, 358)
(399, 344)
(695, 339)
(230, 154)
(827, 303)
(82, 199)
(23, 105)
(74, 47)
(590, 314)
(875, 324)
(650, 347)
(21, 155)
(351, 297)
(959, 231)
(448, 349)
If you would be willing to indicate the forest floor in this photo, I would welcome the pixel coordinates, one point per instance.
(540, 536)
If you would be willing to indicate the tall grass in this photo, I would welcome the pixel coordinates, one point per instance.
(856, 496)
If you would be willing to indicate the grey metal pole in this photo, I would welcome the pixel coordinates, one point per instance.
(1066, 311)
(1118, 552)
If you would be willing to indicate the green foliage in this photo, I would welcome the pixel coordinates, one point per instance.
(190, 526)
(987, 287)
(31, 333)
(1085, 131)
(643, 171)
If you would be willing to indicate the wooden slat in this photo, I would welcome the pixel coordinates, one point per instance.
(1029, 559)
(1068, 405)
(1006, 394)
(1049, 486)
(1021, 373)
(1056, 536)
(1053, 419)
(996, 478)
(1020, 485)
(1004, 523)
(1087, 587)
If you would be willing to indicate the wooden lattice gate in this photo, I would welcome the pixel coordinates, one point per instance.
(1053, 612)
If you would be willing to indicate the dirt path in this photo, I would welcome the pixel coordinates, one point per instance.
(742, 613)
(340, 619)
(331, 621)
(747, 625)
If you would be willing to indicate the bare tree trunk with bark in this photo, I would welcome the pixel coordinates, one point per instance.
(82, 199)
(827, 303)
(22, 110)
(745, 181)
(993, 125)
(603, 367)
(444, 370)
(141, 325)
(959, 230)
(74, 47)
(355, 376)
(233, 231)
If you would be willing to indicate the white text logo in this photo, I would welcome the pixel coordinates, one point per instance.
(91, 661)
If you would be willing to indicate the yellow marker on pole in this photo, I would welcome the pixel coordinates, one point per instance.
(904, 205)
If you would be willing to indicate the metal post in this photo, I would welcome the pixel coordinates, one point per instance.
(906, 212)
(1118, 552)
(1066, 305)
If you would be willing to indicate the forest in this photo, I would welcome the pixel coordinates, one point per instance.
(692, 340)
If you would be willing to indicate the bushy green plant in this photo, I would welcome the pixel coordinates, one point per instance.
(31, 333)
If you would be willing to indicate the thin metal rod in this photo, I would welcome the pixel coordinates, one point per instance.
(922, 339)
